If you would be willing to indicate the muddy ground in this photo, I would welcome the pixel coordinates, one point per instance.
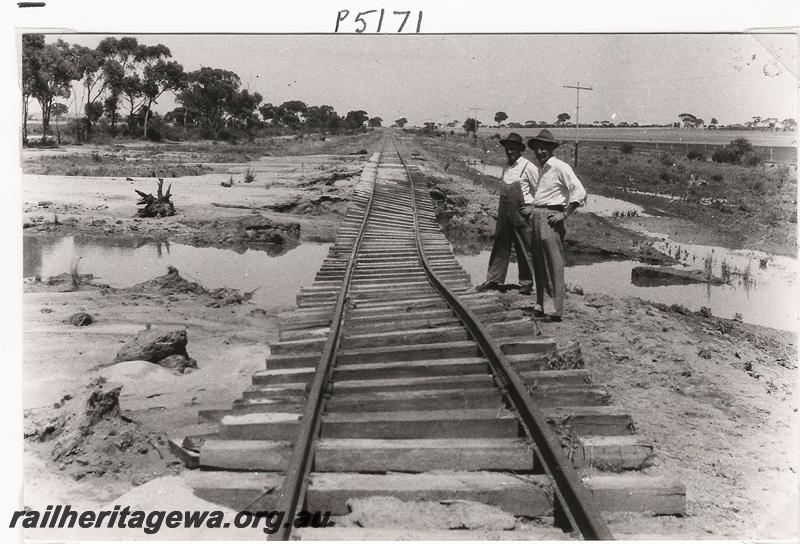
(718, 397)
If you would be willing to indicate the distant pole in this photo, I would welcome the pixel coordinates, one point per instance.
(578, 90)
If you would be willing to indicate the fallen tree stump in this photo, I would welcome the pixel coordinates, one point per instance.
(156, 206)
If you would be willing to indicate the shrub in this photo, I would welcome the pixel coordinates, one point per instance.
(750, 159)
(716, 177)
(739, 150)
(665, 159)
(664, 175)
(626, 148)
(153, 134)
(740, 147)
(723, 155)
(696, 155)
(249, 175)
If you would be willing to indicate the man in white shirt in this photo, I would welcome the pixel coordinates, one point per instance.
(512, 226)
(557, 193)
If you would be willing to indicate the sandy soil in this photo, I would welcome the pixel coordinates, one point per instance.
(718, 397)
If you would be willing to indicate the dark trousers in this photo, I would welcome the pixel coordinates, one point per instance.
(547, 253)
(511, 229)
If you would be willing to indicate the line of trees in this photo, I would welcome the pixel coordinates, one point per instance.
(119, 74)
(687, 120)
(121, 80)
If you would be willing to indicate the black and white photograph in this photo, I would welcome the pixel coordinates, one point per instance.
(377, 278)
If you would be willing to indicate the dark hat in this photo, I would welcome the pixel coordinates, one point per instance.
(513, 139)
(544, 137)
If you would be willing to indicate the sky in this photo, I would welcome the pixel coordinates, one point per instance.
(644, 78)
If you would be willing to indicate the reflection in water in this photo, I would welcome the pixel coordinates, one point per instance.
(767, 298)
(122, 263)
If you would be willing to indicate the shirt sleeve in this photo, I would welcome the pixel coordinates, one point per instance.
(576, 191)
(528, 178)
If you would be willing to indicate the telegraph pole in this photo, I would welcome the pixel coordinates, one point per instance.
(578, 90)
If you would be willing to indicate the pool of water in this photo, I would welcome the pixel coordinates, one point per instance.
(277, 278)
(763, 289)
(764, 296)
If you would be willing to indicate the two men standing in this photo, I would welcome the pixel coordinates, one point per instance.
(550, 193)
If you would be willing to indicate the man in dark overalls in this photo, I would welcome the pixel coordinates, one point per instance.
(517, 181)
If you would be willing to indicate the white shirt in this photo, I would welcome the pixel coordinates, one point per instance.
(557, 185)
(524, 172)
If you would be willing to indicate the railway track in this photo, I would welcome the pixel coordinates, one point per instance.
(394, 383)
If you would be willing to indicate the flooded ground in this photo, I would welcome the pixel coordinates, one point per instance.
(762, 289)
(276, 279)
(766, 297)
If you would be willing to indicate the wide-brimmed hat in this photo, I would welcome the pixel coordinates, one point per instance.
(544, 137)
(513, 139)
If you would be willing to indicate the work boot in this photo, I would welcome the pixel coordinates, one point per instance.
(488, 286)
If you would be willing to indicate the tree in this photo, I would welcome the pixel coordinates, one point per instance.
(355, 119)
(213, 95)
(471, 125)
(178, 116)
(375, 122)
(430, 127)
(688, 120)
(136, 72)
(290, 114)
(117, 54)
(500, 116)
(242, 106)
(789, 124)
(322, 118)
(90, 64)
(714, 121)
(158, 78)
(267, 111)
(59, 110)
(401, 122)
(131, 90)
(562, 118)
(56, 69)
(32, 46)
(114, 75)
(94, 112)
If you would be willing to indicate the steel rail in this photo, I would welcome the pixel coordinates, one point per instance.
(295, 479)
(573, 496)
